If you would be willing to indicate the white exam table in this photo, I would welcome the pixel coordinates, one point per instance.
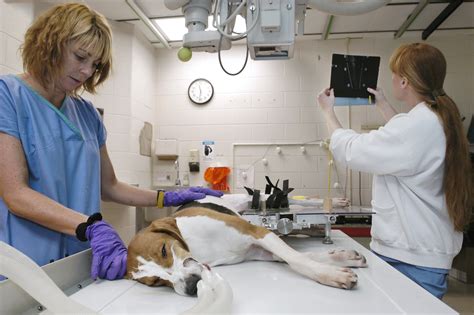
(269, 287)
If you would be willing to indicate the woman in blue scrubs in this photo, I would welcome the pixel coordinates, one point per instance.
(422, 190)
(54, 166)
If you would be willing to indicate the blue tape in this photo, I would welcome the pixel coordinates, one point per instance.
(350, 101)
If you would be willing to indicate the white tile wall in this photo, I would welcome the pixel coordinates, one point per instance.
(12, 53)
(300, 99)
(117, 123)
(14, 19)
(275, 101)
(143, 76)
(3, 46)
(122, 217)
(128, 100)
(268, 131)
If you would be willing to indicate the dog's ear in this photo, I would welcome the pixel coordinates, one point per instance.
(168, 226)
(153, 281)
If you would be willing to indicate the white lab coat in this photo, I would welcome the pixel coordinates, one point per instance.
(406, 156)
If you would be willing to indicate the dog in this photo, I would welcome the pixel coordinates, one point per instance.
(173, 251)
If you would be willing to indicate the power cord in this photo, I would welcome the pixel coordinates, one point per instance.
(220, 60)
(322, 143)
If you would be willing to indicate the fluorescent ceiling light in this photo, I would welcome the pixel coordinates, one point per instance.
(174, 29)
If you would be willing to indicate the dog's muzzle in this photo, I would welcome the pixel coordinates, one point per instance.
(191, 284)
(192, 279)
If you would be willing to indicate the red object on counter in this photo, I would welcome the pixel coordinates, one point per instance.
(217, 177)
(354, 231)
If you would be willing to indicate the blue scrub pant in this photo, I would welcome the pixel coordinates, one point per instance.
(433, 280)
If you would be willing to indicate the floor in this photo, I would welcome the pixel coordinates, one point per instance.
(460, 295)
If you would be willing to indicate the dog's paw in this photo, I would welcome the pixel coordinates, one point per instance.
(334, 276)
(343, 278)
(339, 257)
(347, 258)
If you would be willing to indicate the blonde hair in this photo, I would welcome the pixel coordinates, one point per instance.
(424, 66)
(47, 38)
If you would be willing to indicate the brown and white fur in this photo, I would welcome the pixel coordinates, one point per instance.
(174, 250)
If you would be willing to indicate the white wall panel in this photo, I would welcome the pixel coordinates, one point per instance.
(265, 100)
(268, 131)
(300, 99)
(301, 132)
(232, 100)
(311, 114)
(117, 123)
(286, 115)
(15, 18)
(13, 54)
(3, 44)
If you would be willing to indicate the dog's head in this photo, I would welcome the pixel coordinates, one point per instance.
(158, 255)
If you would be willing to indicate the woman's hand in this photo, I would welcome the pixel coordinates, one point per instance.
(326, 103)
(380, 99)
(109, 254)
(382, 104)
(183, 196)
(326, 100)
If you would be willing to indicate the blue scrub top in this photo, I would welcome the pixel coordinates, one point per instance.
(61, 148)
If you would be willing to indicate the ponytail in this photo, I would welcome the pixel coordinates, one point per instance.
(457, 183)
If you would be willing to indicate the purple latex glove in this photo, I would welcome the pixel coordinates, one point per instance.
(109, 254)
(180, 197)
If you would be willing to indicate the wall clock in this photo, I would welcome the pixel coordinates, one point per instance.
(200, 91)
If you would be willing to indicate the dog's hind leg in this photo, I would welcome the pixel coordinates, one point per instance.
(325, 274)
(339, 257)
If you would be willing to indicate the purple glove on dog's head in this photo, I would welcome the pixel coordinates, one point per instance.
(109, 254)
(180, 197)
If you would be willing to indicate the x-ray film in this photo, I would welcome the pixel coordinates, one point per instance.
(351, 76)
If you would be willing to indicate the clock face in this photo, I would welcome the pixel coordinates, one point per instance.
(200, 91)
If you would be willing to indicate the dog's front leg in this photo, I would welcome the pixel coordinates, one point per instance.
(326, 274)
(339, 257)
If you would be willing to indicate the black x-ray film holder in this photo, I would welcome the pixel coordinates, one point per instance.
(351, 75)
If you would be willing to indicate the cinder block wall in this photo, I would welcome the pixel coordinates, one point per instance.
(274, 103)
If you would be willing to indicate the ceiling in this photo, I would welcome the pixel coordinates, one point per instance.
(385, 21)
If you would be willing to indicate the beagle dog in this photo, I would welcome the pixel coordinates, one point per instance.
(173, 251)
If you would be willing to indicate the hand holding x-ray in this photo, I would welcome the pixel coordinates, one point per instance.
(379, 95)
(326, 100)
